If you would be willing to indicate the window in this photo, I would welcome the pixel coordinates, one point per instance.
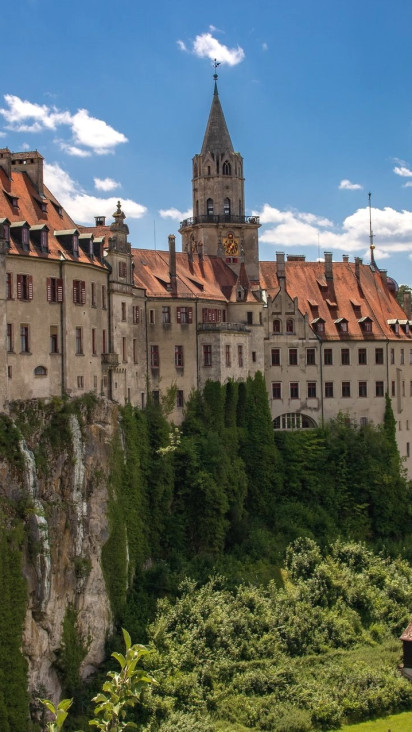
(379, 356)
(136, 314)
(75, 245)
(184, 315)
(407, 450)
(393, 389)
(122, 269)
(44, 241)
(402, 356)
(94, 341)
(9, 286)
(249, 318)
(124, 349)
(152, 318)
(392, 356)
(104, 303)
(134, 350)
(310, 357)
(290, 326)
(212, 315)
(154, 357)
(25, 238)
(294, 390)
(54, 289)
(165, 314)
(104, 342)
(209, 206)
(311, 389)
(179, 357)
(24, 338)
(345, 357)
(293, 356)
(9, 372)
(226, 168)
(228, 357)
(156, 396)
(346, 388)
(24, 287)
(275, 356)
(320, 326)
(54, 339)
(226, 206)
(363, 421)
(40, 371)
(79, 341)
(328, 357)
(79, 292)
(10, 345)
(80, 382)
(363, 389)
(254, 356)
(240, 356)
(123, 311)
(362, 357)
(276, 390)
(328, 389)
(379, 389)
(207, 355)
(410, 355)
(179, 399)
(93, 295)
(276, 326)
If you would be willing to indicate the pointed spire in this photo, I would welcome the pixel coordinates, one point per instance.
(371, 244)
(217, 138)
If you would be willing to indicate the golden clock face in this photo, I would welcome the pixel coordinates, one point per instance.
(231, 244)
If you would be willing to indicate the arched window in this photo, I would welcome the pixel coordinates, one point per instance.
(290, 326)
(209, 206)
(226, 206)
(226, 168)
(277, 326)
(294, 421)
(40, 371)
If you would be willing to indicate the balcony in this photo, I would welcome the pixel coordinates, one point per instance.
(219, 219)
(110, 360)
(214, 327)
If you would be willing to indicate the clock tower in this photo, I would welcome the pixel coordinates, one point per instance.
(219, 225)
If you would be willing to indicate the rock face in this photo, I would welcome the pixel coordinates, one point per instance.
(66, 526)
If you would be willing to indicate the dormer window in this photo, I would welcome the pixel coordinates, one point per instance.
(365, 324)
(342, 325)
(318, 325)
(405, 326)
(75, 245)
(14, 202)
(44, 240)
(394, 325)
(226, 168)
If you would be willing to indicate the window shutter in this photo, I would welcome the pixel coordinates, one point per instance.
(59, 290)
(30, 287)
(219, 316)
(190, 315)
(75, 299)
(179, 315)
(19, 287)
(83, 292)
(204, 315)
(49, 289)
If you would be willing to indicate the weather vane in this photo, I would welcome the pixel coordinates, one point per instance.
(216, 64)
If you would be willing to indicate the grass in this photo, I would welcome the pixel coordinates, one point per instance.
(394, 723)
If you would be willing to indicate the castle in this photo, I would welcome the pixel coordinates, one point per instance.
(84, 311)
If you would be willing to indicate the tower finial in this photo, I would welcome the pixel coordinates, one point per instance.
(215, 76)
(371, 244)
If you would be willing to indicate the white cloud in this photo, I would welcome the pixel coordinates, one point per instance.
(175, 214)
(206, 46)
(81, 206)
(408, 184)
(403, 171)
(106, 184)
(392, 230)
(265, 46)
(89, 134)
(346, 185)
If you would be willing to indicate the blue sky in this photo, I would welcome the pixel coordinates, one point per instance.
(316, 94)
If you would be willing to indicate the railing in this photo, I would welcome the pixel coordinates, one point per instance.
(219, 219)
(223, 326)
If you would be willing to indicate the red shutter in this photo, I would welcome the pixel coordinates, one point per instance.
(30, 287)
(9, 286)
(83, 292)
(49, 289)
(75, 293)
(190, 315)
(179, 314)
(19, 287)
(219, 316)
(59, 290)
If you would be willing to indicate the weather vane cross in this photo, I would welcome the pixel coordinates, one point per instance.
(215, 65)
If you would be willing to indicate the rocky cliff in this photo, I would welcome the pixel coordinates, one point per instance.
(55, 482)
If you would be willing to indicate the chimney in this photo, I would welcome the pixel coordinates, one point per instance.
(345, 258)
(32, 164)
(328, 266)
(280, 264)
(384, 275)
(172, 264)
(100, 220)
(407, 303)
(358, 262)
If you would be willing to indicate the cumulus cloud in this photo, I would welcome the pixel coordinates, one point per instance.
(392, 230)
(403, 171)
(89, 134)
(206, 46)
(81, 206)
(346, 185)
(175, 214)
(106, 184)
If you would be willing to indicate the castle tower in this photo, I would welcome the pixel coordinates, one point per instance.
(219, 225)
